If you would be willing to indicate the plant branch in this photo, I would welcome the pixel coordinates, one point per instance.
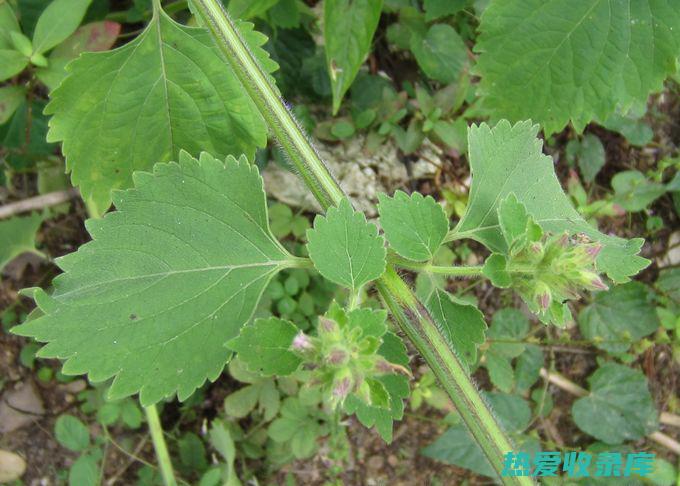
(411, 316)
(159, 445)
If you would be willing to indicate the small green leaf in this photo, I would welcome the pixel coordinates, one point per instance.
(342, 129)
(265, 347)
(240, 403)
(500, 371)
(634, 192)
(528, 367)
(495, 269)
(619, 406)
(508, 325)
(414, 226)
(435, 9)
(11, 63)
(590, 156)
(461, 323)
(179, 267)
(71, 433)
(619, 317)
(345, 248)
(10, 99)
(348, 29)
(17, 236)
(508, 159)
(441, 53)
(93, 37)
(58, 21)
(85, 471)
(247, 9)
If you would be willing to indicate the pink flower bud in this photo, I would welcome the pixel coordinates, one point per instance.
(594, 250)
(302, 343)
(327, 325)
(337, 357)
(597, 284)
(341, 388)
(563, 241)
(544, 301)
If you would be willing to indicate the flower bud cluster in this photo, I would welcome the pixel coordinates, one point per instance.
(344, 358)
(549, 272)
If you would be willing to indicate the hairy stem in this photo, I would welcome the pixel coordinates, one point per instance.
(452, 271)
(162, 454)
(408, 312)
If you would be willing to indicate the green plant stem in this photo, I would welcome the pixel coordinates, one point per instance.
(409, 313)
(451, 271)
(159, 445)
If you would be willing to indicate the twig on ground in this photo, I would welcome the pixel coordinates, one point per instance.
(38, 202)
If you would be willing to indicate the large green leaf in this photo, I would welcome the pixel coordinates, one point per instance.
(559, 60)
(619, 406)
(508, 159)
(617, 318)
(169, 89)
(348, 30)
(167, 280)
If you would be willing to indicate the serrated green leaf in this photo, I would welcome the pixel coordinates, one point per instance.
(588, 57)
(381, 418)
(17, 236)
(619, 406)
(461, 323)
(348, 29)
(345, 248)
(619, 317)
(169, 89)
(414, 226)
(171, 276)
(441, 53)
(58, 21)
(265, 347)
(508, 159)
